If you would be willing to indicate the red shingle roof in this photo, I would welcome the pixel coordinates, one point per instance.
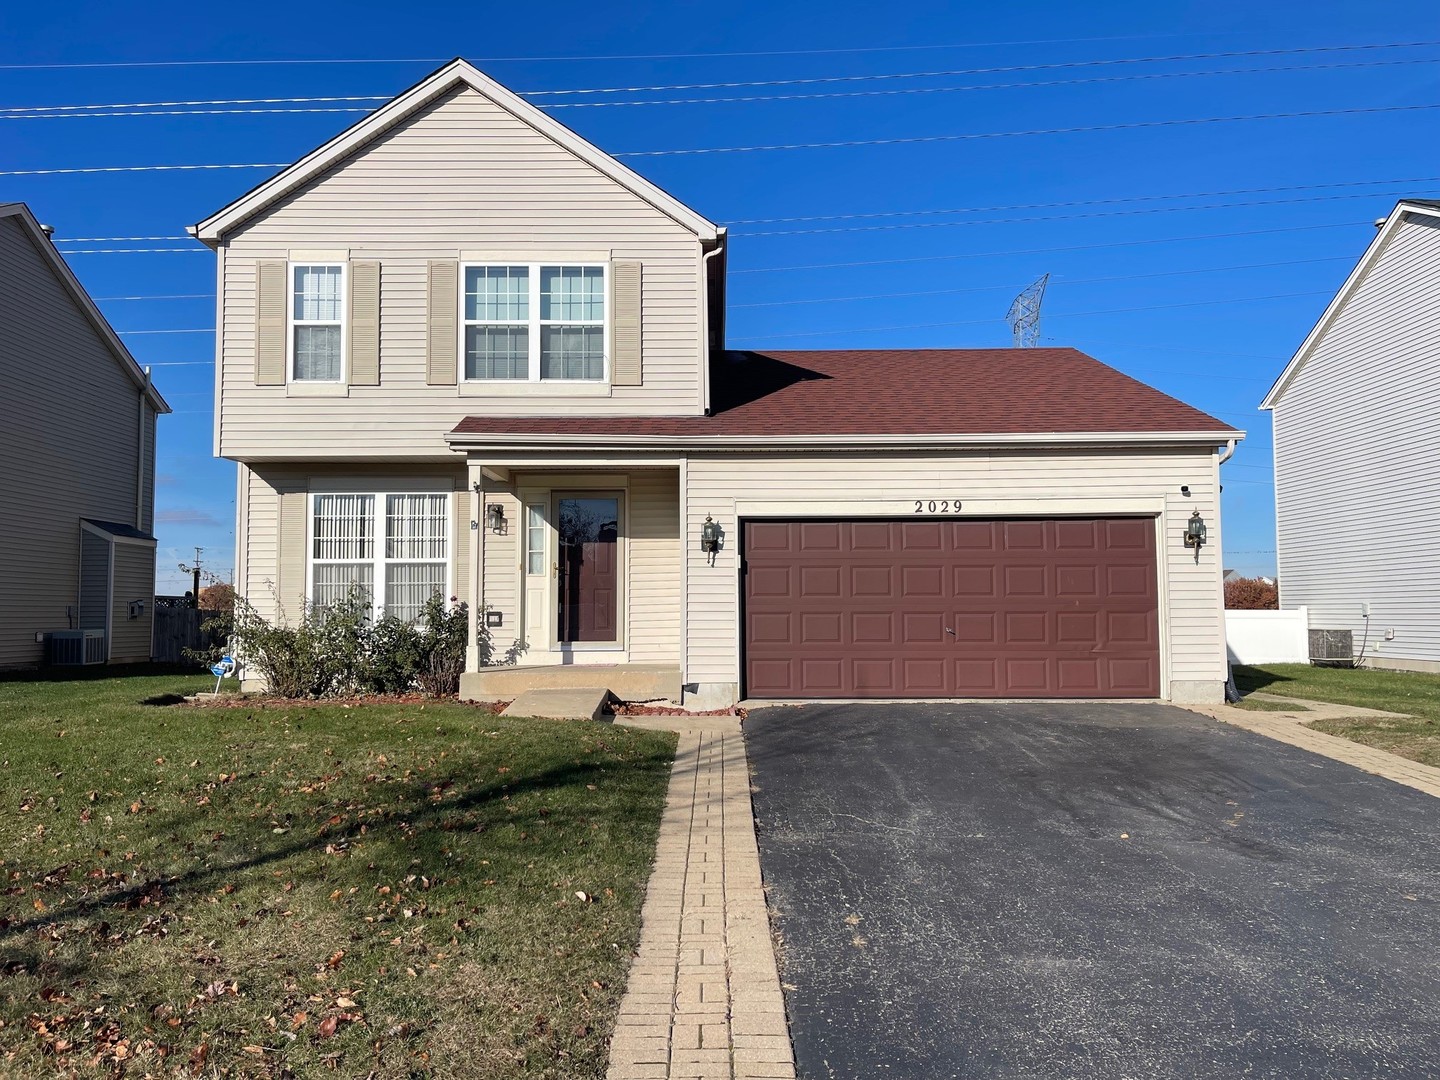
(897, 392)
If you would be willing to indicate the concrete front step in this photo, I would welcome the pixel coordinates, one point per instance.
(570, 703)
(629, 682)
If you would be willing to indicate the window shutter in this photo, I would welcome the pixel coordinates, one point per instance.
(625, 325)
(270, 323)
(365, 324)
(290, 556)
(443, 289)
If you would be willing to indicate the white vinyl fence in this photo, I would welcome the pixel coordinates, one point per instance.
(1268, 637)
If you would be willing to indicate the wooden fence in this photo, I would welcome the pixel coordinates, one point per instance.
(178, 629)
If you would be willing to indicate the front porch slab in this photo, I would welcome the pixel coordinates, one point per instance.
(628, 682)
(580, 703)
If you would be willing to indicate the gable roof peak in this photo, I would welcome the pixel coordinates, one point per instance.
(444, 79)
(1385, 228)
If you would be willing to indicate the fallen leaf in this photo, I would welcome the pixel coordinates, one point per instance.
(298, 1020)
(328, 1026)
(197, 1058)
(344, 1003)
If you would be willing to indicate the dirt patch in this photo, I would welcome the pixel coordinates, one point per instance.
(348, 701)
(643, 708)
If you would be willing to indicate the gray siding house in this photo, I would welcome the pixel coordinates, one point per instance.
(464, 351)
(1357, 452)
(77, 463)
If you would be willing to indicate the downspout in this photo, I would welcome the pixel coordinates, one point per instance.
(1228, 453)
(705, 321)
(140, 461)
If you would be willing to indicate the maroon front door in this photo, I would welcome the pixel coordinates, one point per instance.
(588, 578)
(942, 608)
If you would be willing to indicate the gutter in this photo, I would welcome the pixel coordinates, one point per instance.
(533, 441)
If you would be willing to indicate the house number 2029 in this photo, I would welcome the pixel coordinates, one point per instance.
(937, 506)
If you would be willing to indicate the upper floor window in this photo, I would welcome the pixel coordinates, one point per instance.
(317, 322)
(535, 322)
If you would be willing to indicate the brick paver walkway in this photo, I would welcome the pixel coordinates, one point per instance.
(703, 1001)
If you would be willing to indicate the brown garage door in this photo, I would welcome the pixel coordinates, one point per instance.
(1014, 608)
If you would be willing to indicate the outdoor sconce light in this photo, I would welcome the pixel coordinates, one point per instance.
(709, 535)
(495, 517)
(1195, 533)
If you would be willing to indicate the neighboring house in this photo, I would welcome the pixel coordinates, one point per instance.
(77, 463)
(1357, 449)
(462, 350)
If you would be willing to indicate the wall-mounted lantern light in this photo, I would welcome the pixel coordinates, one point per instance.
(495, 517)
(709, 535)
(1195, 533)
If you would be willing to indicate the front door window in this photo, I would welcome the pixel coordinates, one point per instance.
(588, 569)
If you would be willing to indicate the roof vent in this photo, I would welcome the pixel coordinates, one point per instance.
(1380, 222)
(48, 230)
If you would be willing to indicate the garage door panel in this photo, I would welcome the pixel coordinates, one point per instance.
(973, 581)
(873, 628)
(922, 582)
(936, 608)
(1025, 581)
(1078, 678)
(872, 581)
(820, 536)
(819, 582)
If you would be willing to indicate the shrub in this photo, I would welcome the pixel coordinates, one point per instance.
(339, 649)
(324, 652)
(1252, 594)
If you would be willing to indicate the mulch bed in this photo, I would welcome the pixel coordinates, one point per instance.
(265, 701)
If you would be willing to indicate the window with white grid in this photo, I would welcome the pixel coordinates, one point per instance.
(535, 322)
(317, 322)
(395, 546)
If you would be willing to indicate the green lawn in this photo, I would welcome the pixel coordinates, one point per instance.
(1417, 737)
(386, 890)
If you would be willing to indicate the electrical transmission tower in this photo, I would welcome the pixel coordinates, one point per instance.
(1024, 314)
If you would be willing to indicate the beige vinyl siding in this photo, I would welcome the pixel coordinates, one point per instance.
(654, 568)
(273, 524)
(501, 582)
(1012, 483)
(134, 580)
(1357, 450)
(67, 445)
(94, 581)
(462, 179)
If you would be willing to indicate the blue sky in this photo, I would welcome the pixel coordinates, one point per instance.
(1204, 296)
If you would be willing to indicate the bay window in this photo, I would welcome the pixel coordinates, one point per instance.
(394, 546)
(534, 322)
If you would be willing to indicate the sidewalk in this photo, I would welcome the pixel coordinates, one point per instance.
(703, 1000)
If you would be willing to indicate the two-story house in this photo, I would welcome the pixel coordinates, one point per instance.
(463, 350)
(77, 466)
(1356, 450)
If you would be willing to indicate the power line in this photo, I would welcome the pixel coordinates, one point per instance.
(166, 296)
(1083, 129)
(1044, 251)
(913, 139)
(1040, 85)
(1116, 201)
(1083, 202)
(1054, 282)
(145, 168)
(628, 56)
(198, 330)
(172, 104)
(1007, 69)
(1061, 315)
(1065, 217)
(194, 107)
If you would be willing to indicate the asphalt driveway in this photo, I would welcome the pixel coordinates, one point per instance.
(1097, 891)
